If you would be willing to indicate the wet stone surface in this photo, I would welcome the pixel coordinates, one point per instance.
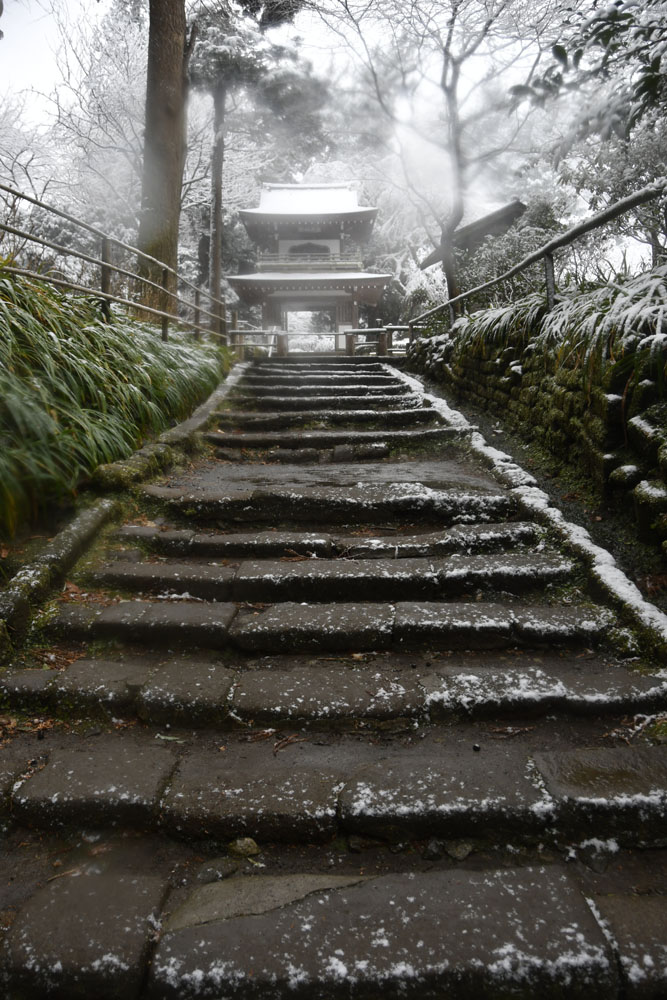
(327, 722)
(105, 782)
(472, 933)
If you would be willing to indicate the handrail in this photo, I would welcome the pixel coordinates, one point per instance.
(106, 266)
(545, 252)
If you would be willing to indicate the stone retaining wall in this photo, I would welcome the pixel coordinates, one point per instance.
(612, 430)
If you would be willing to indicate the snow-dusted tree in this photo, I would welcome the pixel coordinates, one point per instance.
(236, 61)
(604, 171)
(164, 141)
(26, 165)
(99, 106)
(614, 56)
(439, 73)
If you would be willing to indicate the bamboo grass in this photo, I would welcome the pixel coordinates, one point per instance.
(76, 392)
(620, 323)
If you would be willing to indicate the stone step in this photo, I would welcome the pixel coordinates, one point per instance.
(310, 789)
(358, 388)
(328, 379)
(342, 626)
(321, 402)
(386, 690)
(320, 579)
(423, 935)
(331, 364)
(390, 936)
(367, 503)
(298, 418)
(426, 934)
(463, 538)
(413, 625)
(330, 438)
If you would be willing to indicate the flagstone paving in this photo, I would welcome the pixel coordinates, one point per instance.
(334, 716)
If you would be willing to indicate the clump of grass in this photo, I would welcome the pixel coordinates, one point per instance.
(76, 392)
(618, 323)
(501, 325)
(622, 323)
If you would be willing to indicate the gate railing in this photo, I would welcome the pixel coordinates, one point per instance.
(546, 253)
(173, 307)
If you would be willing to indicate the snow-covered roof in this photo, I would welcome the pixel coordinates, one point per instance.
(307, 199)
(308, 277)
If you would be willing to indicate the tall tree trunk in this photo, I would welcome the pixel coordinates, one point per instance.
(164, 144)
(449, 85)
(449, 268)
(217, 162)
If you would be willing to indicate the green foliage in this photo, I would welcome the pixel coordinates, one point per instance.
(76, 392)
(621, 324)
(622, 44)
(511, 324)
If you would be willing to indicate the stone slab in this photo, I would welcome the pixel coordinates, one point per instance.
(555, 625)
(174, 540)
(470, 935)
(104, 780)
(326, 418)
(83, 936)
(329, 438)
(459, 625)
(574, 686)
(290, 627)
(110, 684)
(638, 927)
(391, 579)
(28, 687)
(315, 404)
(441, 474)
(485, 625)
(238, 897)
(618, 790)
(213, 583)
(186, 693)
(320, 694)
(453, 791)
(252, 791)
(331, 378)
(263, 544)
(166, 621)
(360, 504)
(350, 388)
(468, 538)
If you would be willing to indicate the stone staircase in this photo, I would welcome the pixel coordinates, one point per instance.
(350, 725)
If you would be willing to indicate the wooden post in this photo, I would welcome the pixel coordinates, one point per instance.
(382, 342)
(197, 332)
(164, 299)
(105, 278)
(550, 280)
(283, 345)
(390, 339)
(411, 332)
(349, 343)
(235, 319)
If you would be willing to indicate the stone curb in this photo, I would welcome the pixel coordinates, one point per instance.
(624, 596)
(33, 581)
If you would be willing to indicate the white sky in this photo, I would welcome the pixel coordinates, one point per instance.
(27, 51)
